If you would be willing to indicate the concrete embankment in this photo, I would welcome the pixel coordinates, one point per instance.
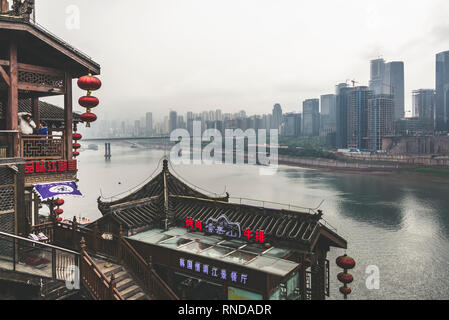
(332, 165)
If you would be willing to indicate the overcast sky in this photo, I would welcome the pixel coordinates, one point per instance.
(194, 55)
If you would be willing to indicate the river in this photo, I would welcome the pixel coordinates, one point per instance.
(398, 223)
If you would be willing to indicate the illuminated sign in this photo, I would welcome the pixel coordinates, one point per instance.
(222, 227)
(51, 166)
(212, 271)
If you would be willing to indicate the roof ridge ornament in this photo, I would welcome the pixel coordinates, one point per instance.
(165, 165)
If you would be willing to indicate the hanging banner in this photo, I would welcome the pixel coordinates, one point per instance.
(50, 190)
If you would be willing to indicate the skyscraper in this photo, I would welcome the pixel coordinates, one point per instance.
(328, 114)
(277, 117)
(343, 98)
(137, 128)
(340, 86)
(388, 78)
(292, 125)
(377, 76)
(424, 104)
(380, 120)
(358, 117)
(311, 117)
(394, 85)
(149, 124)
(173, 121)
(442, 91)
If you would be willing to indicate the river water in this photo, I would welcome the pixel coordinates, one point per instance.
(398, 223)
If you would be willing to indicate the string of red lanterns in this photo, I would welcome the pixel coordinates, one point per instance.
(346, 263)
(89, 83)
(76, 146)
(58, 211)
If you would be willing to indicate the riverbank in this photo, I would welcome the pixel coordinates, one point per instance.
(351, 166)
(437, 175)
(335, 165)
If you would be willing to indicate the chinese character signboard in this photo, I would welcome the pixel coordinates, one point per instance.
(51, 167)
(222, 227)
(214, 272)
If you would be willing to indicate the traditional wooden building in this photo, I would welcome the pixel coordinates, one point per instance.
(206, 247)
(34, 64)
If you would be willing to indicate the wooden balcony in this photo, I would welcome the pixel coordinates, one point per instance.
(32, 147)
(36, 147)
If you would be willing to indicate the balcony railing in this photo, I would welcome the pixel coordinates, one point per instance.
(35, 258)
(36, 147)
(31, 147)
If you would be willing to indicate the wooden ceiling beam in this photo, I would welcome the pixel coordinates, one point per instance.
(39, 88)
(42, 70)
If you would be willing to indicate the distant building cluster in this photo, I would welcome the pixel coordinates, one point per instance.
(355, 116)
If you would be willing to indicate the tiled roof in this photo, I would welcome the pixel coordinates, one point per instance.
(149, 207)
(48, 112)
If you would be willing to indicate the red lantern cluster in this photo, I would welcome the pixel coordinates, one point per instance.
(58, 211)
(76, 146)
(89, 83)
(346, 263)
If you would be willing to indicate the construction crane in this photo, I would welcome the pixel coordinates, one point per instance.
(353, 82)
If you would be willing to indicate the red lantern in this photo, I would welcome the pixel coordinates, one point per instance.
(89, 83)
(76, 146)
(345, 277)
(88, 117)
(59, 219)
(88, 102)
(345, 262)
(59, 212)
(59, 202)
(76, 154)
(77, 136)
(345, 290)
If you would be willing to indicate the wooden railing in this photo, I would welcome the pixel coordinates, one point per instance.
(117, 248)
(36, 258)
(145, 273)
(70, 235)
(37, 147)
(97, 283)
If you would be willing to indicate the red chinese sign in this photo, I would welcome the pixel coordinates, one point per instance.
(221, 229)
(51, 166)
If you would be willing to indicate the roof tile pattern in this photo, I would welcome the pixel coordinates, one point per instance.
(148, 207)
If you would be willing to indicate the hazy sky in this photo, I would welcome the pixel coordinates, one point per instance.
(194, 55)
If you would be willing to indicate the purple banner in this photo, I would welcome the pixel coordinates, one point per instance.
(51, 190)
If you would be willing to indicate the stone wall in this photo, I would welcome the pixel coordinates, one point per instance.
(428, 145)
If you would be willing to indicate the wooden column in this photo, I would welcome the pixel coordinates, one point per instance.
(3, 6)
(20, 206)
(318, 279)
(68, 116)
(302, 278)
(12, 108)
(36, 209)
(35, 111)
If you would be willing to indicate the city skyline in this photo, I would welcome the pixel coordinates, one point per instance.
(166, 76)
